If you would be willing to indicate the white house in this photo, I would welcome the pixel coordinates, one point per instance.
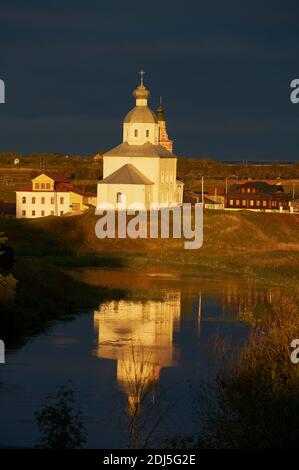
(51, 194)
(140, 170)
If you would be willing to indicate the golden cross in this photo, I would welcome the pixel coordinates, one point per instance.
(141, 73)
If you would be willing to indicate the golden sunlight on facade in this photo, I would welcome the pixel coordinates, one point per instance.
(142, 169)
(52, 194)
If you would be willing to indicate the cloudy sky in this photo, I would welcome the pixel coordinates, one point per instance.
(223, 68)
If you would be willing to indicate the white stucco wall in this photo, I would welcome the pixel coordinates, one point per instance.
(145, 133)
(134, 194)
(50, 208)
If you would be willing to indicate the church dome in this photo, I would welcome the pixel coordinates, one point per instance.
(141, 92)
(141, 114)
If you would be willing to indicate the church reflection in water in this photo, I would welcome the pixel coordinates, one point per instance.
(144, 337)
(139, 336)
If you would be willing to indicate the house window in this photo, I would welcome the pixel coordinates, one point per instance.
(36, 185)
(244, 204)
(48, 186)
(33, 200)
(243, 190)
(42, 213)
(136, 133)
(24, 200)
(33, 213)
(61, 212)
(147, 133)
(264, 203)
(251, 203)
(62, 200)
(237, 202)
(52, 200)
(258, 203)
(253, 190)
(231, 202)
(273, 203)
(43, 200)
(248, 190)
(118, 198)
(42, 186)
(23, 213)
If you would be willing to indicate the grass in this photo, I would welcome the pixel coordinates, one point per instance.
(259, 245)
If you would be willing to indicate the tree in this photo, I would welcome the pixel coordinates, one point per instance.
(60, 425)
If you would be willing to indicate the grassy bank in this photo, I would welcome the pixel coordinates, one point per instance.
(259, 245)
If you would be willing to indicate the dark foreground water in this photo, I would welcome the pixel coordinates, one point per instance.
(130, 363)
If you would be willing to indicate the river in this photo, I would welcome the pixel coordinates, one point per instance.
(132, 364)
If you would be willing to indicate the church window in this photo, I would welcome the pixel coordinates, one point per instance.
(136, 132)
(147, 133)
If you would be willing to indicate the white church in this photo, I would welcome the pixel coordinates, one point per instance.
(143, 168)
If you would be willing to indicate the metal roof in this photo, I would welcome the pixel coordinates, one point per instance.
(145, 150)
(127, 174)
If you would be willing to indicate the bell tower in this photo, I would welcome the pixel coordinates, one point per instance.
(163, 136)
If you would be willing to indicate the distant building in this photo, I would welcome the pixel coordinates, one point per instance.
(257, 196)
(51, 194)
(142, 169)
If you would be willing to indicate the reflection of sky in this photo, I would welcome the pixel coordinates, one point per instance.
(180, 347)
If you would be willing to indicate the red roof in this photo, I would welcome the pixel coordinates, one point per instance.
(61, 187)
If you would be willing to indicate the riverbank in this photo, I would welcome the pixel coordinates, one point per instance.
(259, 245)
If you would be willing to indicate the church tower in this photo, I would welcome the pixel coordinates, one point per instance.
(163, 136)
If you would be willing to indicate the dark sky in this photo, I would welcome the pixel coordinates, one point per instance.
(223, 68)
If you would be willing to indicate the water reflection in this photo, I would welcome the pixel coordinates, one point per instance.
(139, 336)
